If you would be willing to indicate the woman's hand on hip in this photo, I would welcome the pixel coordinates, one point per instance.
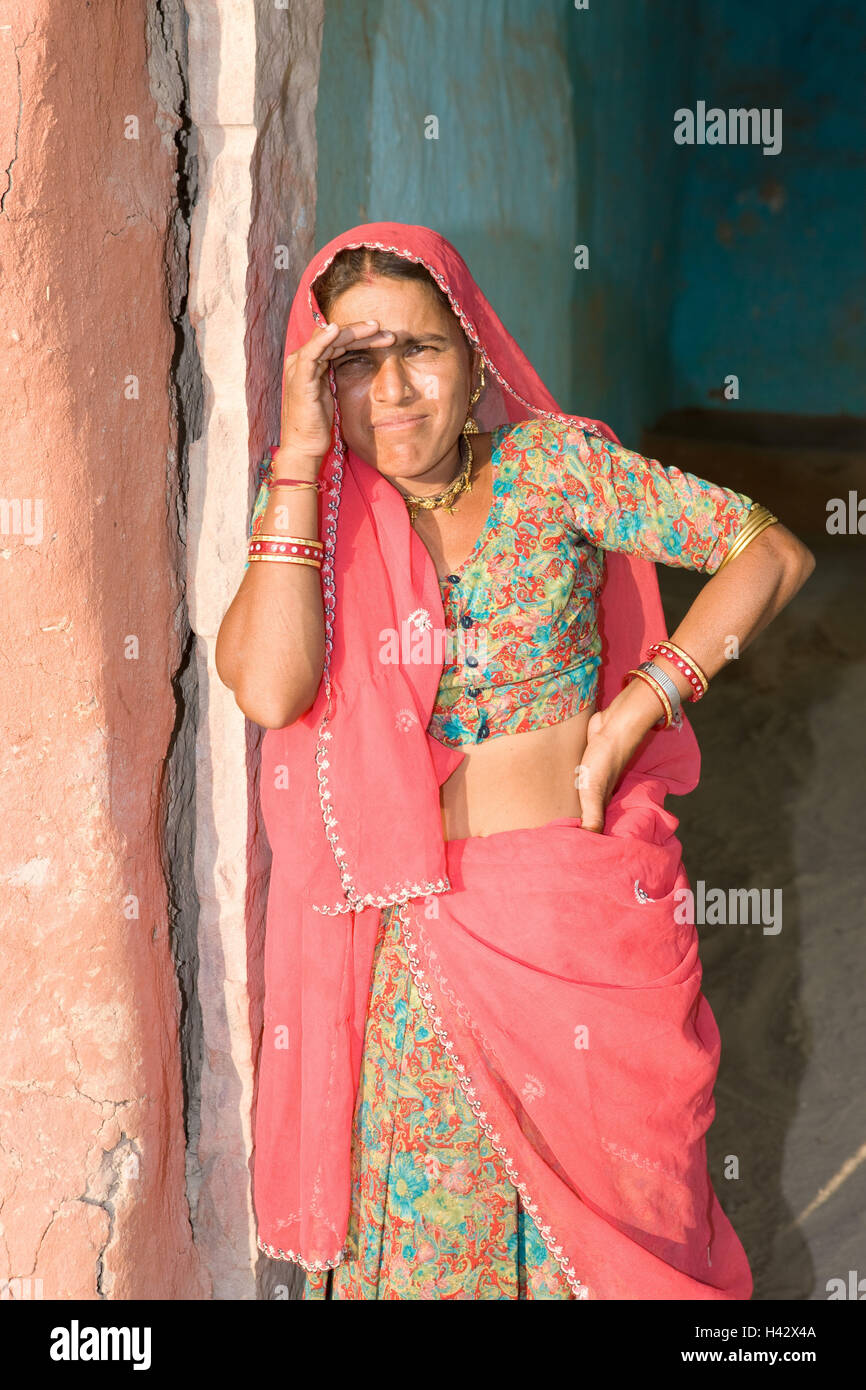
(598, 773)
(612, 735)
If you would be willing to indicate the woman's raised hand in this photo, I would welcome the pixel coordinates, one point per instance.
(308, 406)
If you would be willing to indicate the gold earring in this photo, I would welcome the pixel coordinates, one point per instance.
(471, 426)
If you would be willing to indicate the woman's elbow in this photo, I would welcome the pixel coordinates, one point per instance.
(799, 561)
(275, 712)
(794, 561)
(266, 716)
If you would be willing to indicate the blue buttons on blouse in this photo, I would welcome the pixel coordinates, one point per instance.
(466, 620)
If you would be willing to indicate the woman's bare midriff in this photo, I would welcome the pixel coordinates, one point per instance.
(516, 781)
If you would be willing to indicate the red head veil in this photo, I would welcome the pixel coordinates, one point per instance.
(350, 792)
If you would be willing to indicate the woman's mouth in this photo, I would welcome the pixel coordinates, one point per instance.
(399, 422)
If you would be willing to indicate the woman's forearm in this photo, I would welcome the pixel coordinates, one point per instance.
(732, 608)
(270, 648)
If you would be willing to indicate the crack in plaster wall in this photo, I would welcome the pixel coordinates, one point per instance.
(119, 1166)
(166, 36)
(17, 47)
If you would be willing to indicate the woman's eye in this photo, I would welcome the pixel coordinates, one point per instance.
(350, 358)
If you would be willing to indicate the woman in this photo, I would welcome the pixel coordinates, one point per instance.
(487, 1065)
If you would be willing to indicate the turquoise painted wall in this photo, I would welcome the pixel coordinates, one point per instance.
(771, 282)
(626, 61)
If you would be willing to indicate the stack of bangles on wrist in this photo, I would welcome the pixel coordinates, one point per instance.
(659, 681)
(291, 550)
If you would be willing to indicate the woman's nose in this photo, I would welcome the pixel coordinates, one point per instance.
(390, 382)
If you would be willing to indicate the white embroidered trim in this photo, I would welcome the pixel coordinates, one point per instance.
(581, 1291)
(277, 1254)
(642, 895)
(400, 894)
(460, 1009)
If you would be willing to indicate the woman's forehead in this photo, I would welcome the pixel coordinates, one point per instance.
(411, 301)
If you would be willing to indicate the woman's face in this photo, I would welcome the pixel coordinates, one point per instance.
(403, 406)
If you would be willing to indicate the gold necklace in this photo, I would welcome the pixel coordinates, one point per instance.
(447, 499)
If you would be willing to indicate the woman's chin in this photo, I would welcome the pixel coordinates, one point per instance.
(403, 454)
(402, 461)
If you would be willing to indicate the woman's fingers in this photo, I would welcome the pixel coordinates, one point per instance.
(599, 770)
(307, 356)
(592, 810)
(381, 339)
(330, 342)
(367, 334)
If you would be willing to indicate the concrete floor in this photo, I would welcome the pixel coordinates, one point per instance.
(781, 805)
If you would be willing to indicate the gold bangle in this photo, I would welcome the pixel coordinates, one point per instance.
(286, 560)
(753, 516)
(296, 540)
(758, 520)
(654, 685)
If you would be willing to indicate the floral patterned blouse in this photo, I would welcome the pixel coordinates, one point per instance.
(524, 601)
(521, 609)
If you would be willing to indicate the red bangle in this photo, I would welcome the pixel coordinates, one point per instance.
(286, 545)
(684, 663)
(292, 482)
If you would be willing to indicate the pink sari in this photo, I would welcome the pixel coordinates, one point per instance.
(549, 959)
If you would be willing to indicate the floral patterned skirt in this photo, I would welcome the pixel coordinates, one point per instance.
(433, 1213)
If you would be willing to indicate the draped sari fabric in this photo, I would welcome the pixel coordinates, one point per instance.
(554, 970)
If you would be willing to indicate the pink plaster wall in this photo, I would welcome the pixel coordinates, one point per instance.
(91, 1106)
